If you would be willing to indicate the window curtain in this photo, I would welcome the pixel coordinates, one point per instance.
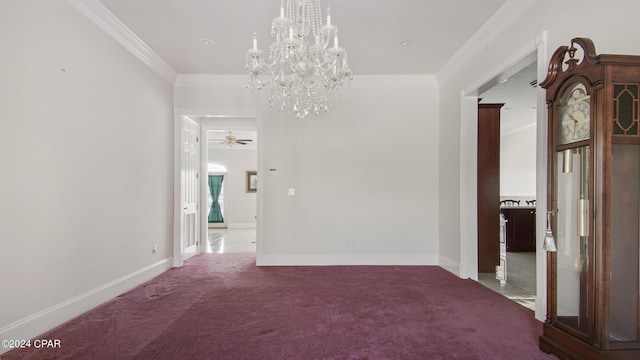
(215, 184)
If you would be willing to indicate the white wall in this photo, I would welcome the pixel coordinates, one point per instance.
(364, 173)
(518, 163)
(605, 23)
(240, 207)
(86, 154)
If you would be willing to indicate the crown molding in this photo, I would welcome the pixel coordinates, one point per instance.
(506, 15)
(98, 14)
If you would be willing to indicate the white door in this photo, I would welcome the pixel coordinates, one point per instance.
(190, 185)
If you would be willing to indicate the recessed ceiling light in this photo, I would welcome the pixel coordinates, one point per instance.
(405, 43)
(207, 42)
(502, 81)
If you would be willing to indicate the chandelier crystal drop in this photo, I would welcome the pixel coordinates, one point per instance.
(305, 65)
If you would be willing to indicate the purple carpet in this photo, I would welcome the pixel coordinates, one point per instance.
(224, 307)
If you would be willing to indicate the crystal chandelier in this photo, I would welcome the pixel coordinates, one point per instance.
(302, 70)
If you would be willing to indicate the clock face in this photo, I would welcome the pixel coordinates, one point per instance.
(575, 115)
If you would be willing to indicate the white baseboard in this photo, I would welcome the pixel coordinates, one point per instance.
(344, 259)
(541, 308)
(450, 265)
(49, 318)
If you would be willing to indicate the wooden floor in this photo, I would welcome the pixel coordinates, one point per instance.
(521, 279)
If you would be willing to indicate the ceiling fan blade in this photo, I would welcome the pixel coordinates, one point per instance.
(245, 140)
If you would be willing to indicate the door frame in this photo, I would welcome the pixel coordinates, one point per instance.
(534, 50)
(205, 117)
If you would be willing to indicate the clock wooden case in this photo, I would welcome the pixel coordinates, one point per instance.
(593, 306)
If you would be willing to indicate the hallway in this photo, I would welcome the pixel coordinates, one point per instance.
(223, 241)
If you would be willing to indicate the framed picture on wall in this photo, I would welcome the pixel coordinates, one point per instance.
(252, 181)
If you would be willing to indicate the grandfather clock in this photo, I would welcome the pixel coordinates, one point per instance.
(593, 306)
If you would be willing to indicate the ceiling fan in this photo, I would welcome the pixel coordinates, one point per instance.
(231, 140)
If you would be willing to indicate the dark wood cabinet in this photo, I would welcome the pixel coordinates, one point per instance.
(488, 187)
(520, 228)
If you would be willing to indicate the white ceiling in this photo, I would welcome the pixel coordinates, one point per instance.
(519, 98)
(370, 30)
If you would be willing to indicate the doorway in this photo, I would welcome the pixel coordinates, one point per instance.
(231, 155)
(531, 50)
(239, 120)
(515, 276)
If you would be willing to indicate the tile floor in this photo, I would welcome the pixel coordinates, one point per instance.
(521, 279)
(231, 241)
